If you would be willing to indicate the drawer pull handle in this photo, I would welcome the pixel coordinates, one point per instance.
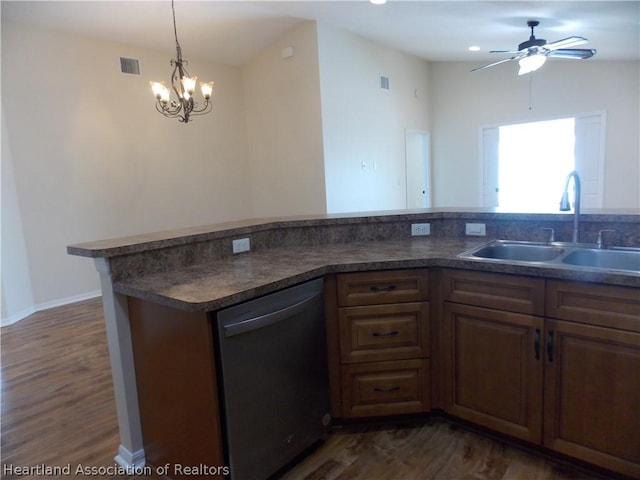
(383, 288)
(536, 345)
(386, 389)
(550, 346)
(385, 334)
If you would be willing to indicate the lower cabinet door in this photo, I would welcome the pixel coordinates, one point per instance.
(494, 369)
(592, 395)
(385, 388)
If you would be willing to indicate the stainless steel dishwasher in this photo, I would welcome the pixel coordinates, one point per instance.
(273, 367)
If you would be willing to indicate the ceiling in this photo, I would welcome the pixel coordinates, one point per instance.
(233, 32)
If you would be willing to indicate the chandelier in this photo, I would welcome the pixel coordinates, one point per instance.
(183, 84)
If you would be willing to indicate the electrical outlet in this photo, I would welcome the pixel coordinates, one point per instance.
(420, 229)
(476, 229)
(241, 245)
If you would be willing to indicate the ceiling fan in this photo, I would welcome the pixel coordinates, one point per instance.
(532, 53)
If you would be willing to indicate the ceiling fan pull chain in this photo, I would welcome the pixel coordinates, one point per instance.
(530, 89)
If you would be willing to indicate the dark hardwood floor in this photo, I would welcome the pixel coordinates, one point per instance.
(58, 410)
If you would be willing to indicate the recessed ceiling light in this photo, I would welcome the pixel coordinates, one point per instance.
(378, 2)
(474, 48)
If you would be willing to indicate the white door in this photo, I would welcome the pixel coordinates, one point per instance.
(418, 169)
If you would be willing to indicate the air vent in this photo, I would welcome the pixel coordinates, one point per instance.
(130, 66)
(384, 82)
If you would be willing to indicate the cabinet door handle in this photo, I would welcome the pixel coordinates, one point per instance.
(386, 389)
(550, 346)
(536, 344)
(385, 334)
(382, 288)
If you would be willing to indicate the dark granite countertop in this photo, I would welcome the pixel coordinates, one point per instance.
(219, 283)
(171, 238)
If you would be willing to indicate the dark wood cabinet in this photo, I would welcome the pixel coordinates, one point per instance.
(382, 325)
(594, 304)
(592, 374)
(382, 287)
(384, 332)
(492, 351)
(569, 381)
(551, 362)
(494, 369)
(510, 293)
(385, 388)
(592, 395)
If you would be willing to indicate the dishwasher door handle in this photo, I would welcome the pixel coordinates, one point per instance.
(262, 321)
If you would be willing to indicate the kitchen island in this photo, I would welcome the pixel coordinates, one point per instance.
(193, 270)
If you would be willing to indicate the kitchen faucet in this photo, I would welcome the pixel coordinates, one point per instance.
(565, 206)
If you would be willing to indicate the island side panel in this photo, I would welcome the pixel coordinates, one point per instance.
(177, 388)
(333, 344)
(116, 315)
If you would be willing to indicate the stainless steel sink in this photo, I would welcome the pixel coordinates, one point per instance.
(558, 254)
(609, 259)
(518, 251)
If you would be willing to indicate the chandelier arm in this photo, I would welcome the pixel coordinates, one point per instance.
(207, 107)
(167, 110)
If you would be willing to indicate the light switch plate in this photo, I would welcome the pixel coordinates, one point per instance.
(476, 229)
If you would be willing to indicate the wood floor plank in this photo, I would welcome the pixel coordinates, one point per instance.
(58, 408)
(57, 404)
(434, 450)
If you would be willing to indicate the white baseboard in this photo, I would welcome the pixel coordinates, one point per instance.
(11, 319)
(46, 305)
(128, 459)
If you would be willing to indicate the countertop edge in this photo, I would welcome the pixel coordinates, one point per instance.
(516, 268)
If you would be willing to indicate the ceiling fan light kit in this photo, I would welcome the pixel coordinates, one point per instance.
(533, 53)
(531, 63)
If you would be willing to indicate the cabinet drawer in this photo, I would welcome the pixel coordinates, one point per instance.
(384, 332)
(604, 305)
(385, 388)
(390, 286)
(512, 293)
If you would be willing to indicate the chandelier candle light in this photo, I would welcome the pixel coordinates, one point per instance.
(183, 85)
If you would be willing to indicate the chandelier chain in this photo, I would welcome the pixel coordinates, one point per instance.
(175, 32)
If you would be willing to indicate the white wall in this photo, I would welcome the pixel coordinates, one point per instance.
(363, 124)
(17, 298)
(462, 102)
(92, 159)
(284, 130)
(85, 156)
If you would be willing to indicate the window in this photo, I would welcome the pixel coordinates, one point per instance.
(533, 162)
(525, 165)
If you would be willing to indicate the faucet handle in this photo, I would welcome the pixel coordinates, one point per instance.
(552, 234)
(599, 242)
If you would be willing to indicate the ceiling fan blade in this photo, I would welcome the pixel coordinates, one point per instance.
(577, 53)
(504, 51)
(495, 63)
(566, 43)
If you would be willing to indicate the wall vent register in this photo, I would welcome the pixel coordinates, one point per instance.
(130, 66)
